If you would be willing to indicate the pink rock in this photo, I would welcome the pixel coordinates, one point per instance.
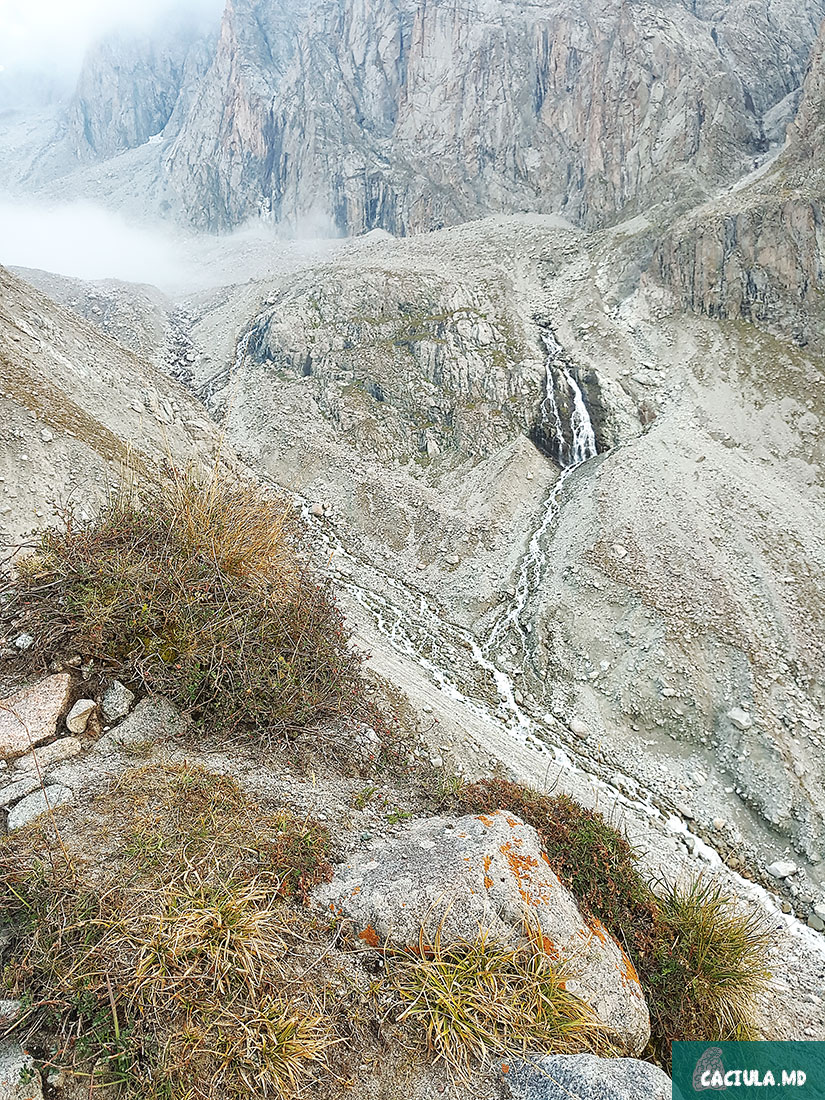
(29, 717)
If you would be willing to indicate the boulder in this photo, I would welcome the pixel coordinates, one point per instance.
(33, 805)
(29, 717)
(78, 717)
(117, 701)
(487, 872)
(585, 1077)
(19, 1080)
(740, 718)
(153, 719)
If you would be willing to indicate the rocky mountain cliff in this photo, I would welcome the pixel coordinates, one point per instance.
(131, 86)
(406, 116)
(758, 251)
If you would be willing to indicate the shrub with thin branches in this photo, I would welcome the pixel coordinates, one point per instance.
(191, 586)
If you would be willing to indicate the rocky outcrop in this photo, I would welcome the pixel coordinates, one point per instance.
(452, 878)
(586, 1077)
(405, 365)
(411, 116)
(758, 253)
(131, 85)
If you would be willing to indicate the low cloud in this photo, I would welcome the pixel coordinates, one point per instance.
(51, 36)
(87, 241)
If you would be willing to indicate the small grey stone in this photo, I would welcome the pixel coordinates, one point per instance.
(117, 701)
(152, 720)
(39, 802)
(740, 718)
(24, 641)
(816, 922)
(46, 755)
(19, 1080)
(781, 869)
(13, 792)
(78, 717)
(586, 1077)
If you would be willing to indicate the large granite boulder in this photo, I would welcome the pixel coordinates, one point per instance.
(585, 1077)
(487, 872)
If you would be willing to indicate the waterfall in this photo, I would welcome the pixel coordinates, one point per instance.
(581, 447)
(582, 444)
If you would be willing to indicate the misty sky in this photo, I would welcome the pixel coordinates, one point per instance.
(43, 34)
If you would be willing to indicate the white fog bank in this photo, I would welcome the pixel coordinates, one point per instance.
(88, 242)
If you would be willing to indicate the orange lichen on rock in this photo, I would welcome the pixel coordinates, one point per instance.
(628, 971)
(600, 931)
(488, 882)
(486, 819)
(550, 949)
(522, 868)
(370, 936)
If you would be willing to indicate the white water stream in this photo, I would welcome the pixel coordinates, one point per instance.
(582, 446)
(414, 627)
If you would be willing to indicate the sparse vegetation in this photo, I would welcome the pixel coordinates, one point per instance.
(191, 586)
(162, 961)
(701, 960)
(475, 1000)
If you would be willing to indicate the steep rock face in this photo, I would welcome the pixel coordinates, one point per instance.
(758, 253)
(130, 85)
(408, 116)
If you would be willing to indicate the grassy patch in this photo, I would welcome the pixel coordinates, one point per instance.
(161, 944)
(191, 587)
(701, 961)
(477, 1000)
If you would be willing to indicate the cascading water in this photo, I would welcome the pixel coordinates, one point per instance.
(414, 627)
(571, 454)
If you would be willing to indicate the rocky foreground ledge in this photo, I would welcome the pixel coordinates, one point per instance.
(400, 877)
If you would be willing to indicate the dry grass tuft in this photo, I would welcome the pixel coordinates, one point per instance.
(162, 961)
(712, 964)
(191, 586)
(481, 999)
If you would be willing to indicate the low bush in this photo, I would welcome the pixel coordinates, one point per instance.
(700, 959)
(191, 586)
